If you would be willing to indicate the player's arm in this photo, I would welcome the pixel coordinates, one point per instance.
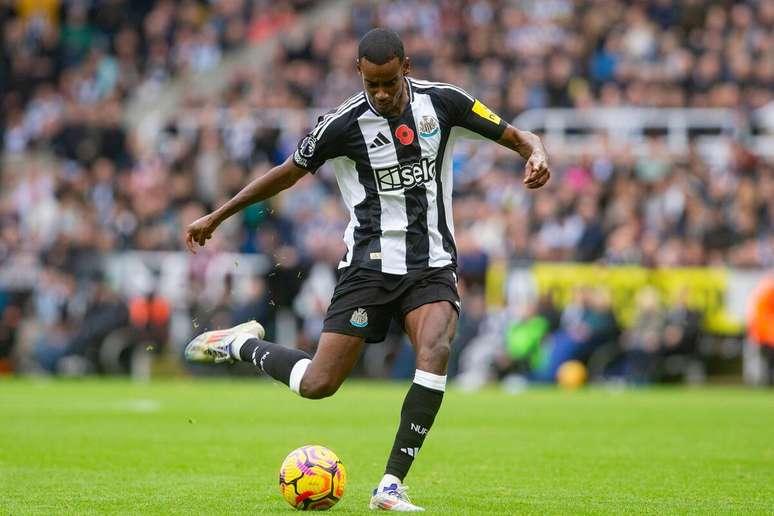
(529, 147)
(470, 113)
(268, 185)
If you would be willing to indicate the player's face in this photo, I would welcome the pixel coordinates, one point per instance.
(384, 84)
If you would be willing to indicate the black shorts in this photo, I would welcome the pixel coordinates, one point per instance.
(365, 301)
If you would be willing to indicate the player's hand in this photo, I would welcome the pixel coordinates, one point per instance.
(199, 231)
(536, 172)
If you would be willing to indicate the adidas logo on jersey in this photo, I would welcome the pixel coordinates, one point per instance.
(379, 141)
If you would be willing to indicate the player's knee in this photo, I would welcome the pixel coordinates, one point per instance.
(318, 388)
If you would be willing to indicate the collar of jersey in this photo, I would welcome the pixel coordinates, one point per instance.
(373, 108)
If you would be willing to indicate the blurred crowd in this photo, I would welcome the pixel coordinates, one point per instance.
(559, 53)
(662, 343)
(78, 185)
(61, 57)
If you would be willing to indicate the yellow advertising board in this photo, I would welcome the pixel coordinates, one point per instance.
(704, 289)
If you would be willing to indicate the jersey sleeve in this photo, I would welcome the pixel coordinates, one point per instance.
(470, 113)
(323, 142)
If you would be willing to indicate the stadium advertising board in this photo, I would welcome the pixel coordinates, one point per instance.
(704, 289)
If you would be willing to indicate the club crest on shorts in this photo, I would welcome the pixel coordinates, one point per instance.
(359, 318)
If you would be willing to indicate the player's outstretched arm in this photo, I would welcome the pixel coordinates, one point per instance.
(268, 185)
(529, 147)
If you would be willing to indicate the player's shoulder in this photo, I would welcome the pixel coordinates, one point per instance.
(441, 89)
(335, 120)
(350, 104)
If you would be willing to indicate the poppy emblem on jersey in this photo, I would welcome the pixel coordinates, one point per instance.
(307, 146)
(359, 318)
(404, 134)
(428, 126)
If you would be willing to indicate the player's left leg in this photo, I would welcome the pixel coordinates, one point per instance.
(313, 377)
(430, 328)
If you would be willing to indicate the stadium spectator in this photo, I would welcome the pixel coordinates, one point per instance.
(642, 342)
(761, 325)
(683, 327)
(150, 318)
(11, 315)
(104, 313)
(526, 350)
(586, 324)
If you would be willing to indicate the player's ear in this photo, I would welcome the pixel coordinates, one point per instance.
(406, 65)
(357, 66)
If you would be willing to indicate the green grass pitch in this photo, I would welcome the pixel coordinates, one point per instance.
(215, 446)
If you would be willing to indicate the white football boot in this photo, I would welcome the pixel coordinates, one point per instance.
(393, 498)
(215, 346)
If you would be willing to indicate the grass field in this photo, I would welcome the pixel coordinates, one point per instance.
(214, 447)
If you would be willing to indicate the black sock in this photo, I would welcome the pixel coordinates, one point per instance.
(273, 359)
(416, 417)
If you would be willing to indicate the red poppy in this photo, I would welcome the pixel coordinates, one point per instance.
(404, 134)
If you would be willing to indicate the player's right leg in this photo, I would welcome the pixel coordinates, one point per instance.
(430, 320)
(311, 377)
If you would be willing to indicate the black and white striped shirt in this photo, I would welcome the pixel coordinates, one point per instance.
(395, 174)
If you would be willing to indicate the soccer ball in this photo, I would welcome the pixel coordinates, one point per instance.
(312, 478)
(571, 375)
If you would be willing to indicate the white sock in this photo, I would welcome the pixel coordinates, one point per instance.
(236, 345)
(388, 480)
(297, 374)
(436, 382)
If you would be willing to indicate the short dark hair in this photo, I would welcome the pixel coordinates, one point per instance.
(380, 46)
